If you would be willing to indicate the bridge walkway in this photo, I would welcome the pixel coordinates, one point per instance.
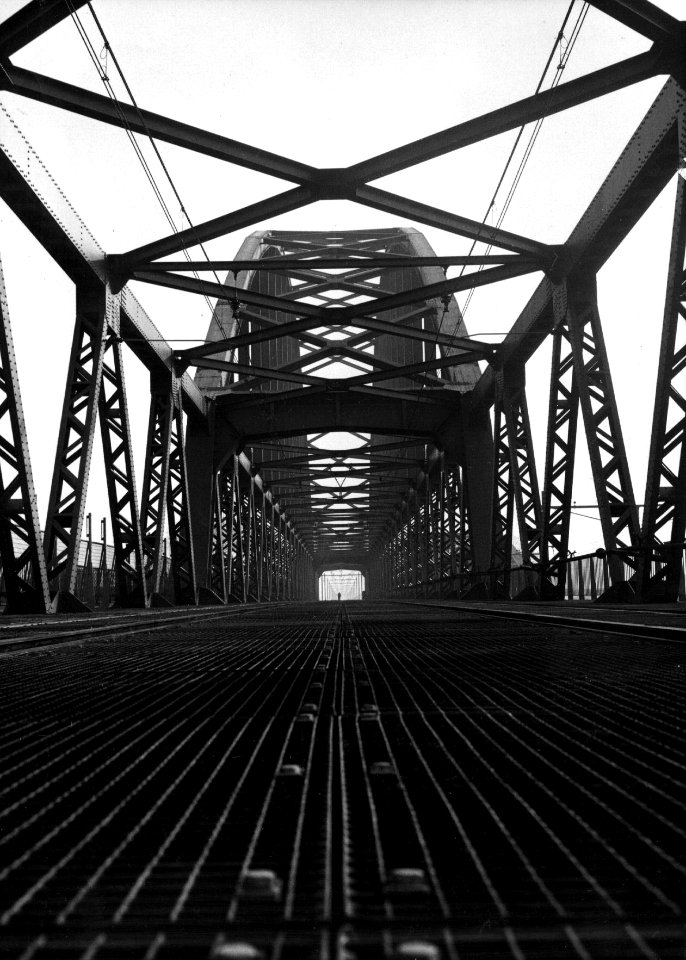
(340, 781)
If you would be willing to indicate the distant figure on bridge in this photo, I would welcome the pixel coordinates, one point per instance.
(339, 596)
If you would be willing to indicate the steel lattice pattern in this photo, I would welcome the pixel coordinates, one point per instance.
(355, 781)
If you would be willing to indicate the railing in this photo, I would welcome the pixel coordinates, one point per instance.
(586, 577)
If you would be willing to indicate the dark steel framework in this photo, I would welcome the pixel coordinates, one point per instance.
(357, 333)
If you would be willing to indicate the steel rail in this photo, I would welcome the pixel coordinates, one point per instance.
(633, 630)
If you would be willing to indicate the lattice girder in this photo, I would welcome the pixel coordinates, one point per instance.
(121, 486)
(95, 319)
(156, 484)
(607, 453)
(664, 515)
(21, 548)
(563, 415)
(503, 498)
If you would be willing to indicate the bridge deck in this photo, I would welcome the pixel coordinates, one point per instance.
(418, 781)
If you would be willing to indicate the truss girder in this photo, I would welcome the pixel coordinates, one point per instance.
(664, 514)
(641, 172)
(42, 206)
(523, 468)
(155, 485)
(165, 496)
(21, 547)
(178, 513)
(503, 498)
(121, 486)
(253, 552)
(220, 542)
(607, 453)
(95, 317)
(400, 359)
(563, 415)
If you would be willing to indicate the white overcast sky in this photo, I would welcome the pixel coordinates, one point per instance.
(331, 82)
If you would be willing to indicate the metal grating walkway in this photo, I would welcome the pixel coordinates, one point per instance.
(344, 781)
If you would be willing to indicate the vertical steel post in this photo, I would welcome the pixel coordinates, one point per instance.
(155, 486)
(95, 309)
(616, 502)
(563, 415)
(664, 514)
(239, 581)
(21, 549)
(115, 432)
(217, 577)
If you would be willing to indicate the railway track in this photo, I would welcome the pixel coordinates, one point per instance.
(340, 781)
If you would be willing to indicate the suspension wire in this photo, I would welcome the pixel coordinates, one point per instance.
(556, 79)
(108, 49)
(564, 58)
(102, 72)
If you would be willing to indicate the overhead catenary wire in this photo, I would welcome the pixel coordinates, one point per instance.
(102, 72)
(564, 57)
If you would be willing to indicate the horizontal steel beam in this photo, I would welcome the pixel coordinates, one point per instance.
(411, 369)
(31, 21)
(289, 263)
(453, 223)
(345, 315)
(297, 328)
(293, 413)
(123, 265)
(36, 86)
(432, 291)
(643, 17)
(642, 170)
(543, 104)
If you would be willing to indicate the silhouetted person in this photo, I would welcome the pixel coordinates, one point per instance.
(339, 596)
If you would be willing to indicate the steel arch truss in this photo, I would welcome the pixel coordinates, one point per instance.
(21, 548)
(426, 497)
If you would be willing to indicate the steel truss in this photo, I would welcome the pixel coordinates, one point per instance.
(426, 488)
(563, 415)
(428, 550)
(254, 552)
(21, 548)
(664, 517)
(614, 491)
(95, 321)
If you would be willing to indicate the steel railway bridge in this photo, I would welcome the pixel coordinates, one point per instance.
(437, 773)
(442, 470)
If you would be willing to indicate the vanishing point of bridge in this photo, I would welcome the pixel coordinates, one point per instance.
(200, 760)
(355, 334)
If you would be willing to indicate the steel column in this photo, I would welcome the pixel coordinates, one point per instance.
(155, 485)
(95, 308)
(121, 485)
(522, 466)
(218, 549)
(664, 515)
(563, 415)
(21, 549)
(614, 491)
(178, 511)
(503, 498)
